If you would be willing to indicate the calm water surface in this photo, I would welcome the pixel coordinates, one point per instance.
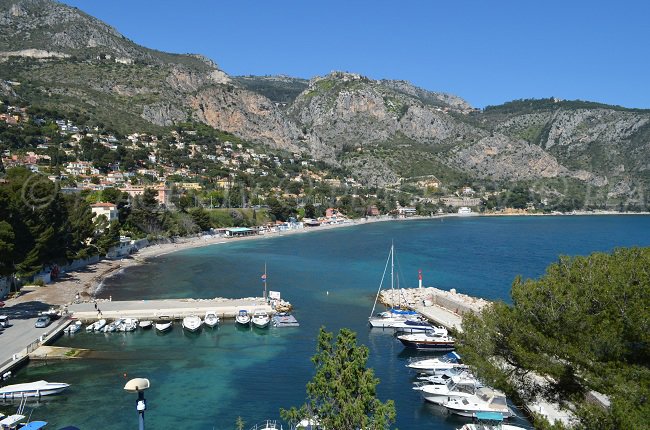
(331, 278)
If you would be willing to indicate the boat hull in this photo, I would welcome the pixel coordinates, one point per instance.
(429, 345)
(32, 390)
(163, 327)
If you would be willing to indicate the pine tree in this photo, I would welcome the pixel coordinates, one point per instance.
(342, 394)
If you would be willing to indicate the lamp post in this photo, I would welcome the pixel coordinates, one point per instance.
(138, 385)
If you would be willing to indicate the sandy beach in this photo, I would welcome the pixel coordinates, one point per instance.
(85, 281)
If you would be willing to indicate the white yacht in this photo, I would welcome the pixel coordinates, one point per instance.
(484, 400)
(433, 366)
(260, 319)
(129, 324)
(489, 421)
(192, 323)
(211, 319)
(32, 389)
(456, 388)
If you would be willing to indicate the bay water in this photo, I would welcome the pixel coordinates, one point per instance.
(209, 379)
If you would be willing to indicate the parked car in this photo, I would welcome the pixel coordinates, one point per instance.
(4, 321)
(42, 322)
(2, 303)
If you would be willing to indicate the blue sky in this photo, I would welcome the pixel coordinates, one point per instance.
(487, 52)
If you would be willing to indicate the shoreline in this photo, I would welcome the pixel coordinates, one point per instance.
(88, 281)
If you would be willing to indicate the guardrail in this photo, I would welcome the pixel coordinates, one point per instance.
(23, 354)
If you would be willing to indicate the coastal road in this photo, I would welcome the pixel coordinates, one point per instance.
(21, 333)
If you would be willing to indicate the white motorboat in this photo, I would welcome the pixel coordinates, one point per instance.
(211, 319)
(260, 319)
(145, 325)
(484, 400)
(129, 324)
(433, 366)
(32, 389)
(164, 325)
(114, 326)
(192, 323)
(455, 388)
(73, 327)
(243, 317)
(96, 326)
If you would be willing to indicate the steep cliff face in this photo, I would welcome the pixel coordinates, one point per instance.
(246, 114)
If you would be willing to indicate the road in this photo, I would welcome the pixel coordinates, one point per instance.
(21, 333)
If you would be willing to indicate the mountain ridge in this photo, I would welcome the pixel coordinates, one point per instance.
(378, 129)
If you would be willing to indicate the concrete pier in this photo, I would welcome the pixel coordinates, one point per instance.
(442, 307)
(166, 309)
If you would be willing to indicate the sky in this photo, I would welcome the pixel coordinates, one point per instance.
(487, 52)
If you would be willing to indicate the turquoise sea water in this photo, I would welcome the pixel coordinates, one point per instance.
(331, 278)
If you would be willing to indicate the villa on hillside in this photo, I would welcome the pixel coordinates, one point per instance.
(109, 210)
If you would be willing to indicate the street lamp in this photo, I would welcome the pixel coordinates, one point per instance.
(138, 385)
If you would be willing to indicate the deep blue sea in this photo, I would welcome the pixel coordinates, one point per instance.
(206, 381)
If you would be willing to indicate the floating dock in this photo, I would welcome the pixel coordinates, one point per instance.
(284, 320)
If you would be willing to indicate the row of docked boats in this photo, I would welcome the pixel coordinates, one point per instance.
(259, 318)
(447, 382)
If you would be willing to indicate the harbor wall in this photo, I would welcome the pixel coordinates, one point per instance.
(451, 300)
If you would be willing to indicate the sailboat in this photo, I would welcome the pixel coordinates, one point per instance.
(394, 315)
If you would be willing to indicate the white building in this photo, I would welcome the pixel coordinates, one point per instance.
(109, 210)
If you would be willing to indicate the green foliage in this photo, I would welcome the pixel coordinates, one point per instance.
(342, 394)
(7, 238)
(584, 324)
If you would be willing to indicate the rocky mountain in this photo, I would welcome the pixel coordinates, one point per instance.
(383, 131)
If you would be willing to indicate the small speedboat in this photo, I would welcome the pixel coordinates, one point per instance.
(267, 425)
(192, 323)
(260, 319)
(73, 327)
(211, 319)
(456, 387)
(163, 325)
(96, 326)
(243, 317)
(129, 324)
(32, 389)
(146, 325)
(114, 326)
(489, 421)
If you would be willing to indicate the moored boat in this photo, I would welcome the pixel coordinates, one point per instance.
(432, 366)
(484, 400)
(192, 323)
(32, 389)
(456, 388)
(211, 319)
(163, 326)
(74, 327)
(427, 341)
(489, 421)
(129, 324)
(146, 325)
(260, 318)
(243, 317)
(96, 326)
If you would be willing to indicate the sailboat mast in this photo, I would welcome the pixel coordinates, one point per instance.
(392, 276)
(265, 281)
